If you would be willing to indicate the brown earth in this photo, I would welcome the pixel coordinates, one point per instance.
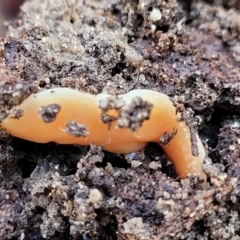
(51, 191)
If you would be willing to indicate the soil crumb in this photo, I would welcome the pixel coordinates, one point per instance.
(49, 113)
(76, 129)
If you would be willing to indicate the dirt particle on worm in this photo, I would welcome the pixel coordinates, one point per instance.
(166, 138)
(16, 113)
(49, 113)
(108, 104)
(134, 114)
(76, 129)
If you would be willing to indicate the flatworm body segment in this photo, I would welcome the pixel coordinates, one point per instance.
(135, 118)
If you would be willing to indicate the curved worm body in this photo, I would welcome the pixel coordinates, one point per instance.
(121, 124)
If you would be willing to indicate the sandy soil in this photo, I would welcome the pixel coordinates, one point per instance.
(52, 191)
(8, 11)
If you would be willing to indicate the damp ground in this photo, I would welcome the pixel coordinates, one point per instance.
(52, 191)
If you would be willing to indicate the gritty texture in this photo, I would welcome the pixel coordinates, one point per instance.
(128, 115)
(49, 113)
(166, 138)
(133, 115)
(17, 113)
(51, 191)
(76, 129)
(12, 212)
(108, 104)
(187, 117)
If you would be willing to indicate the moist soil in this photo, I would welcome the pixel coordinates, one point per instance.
(189, 50)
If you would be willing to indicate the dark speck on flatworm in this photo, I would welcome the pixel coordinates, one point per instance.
(166, 138)
(16, 113)
(76, 129)
(49, 113)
